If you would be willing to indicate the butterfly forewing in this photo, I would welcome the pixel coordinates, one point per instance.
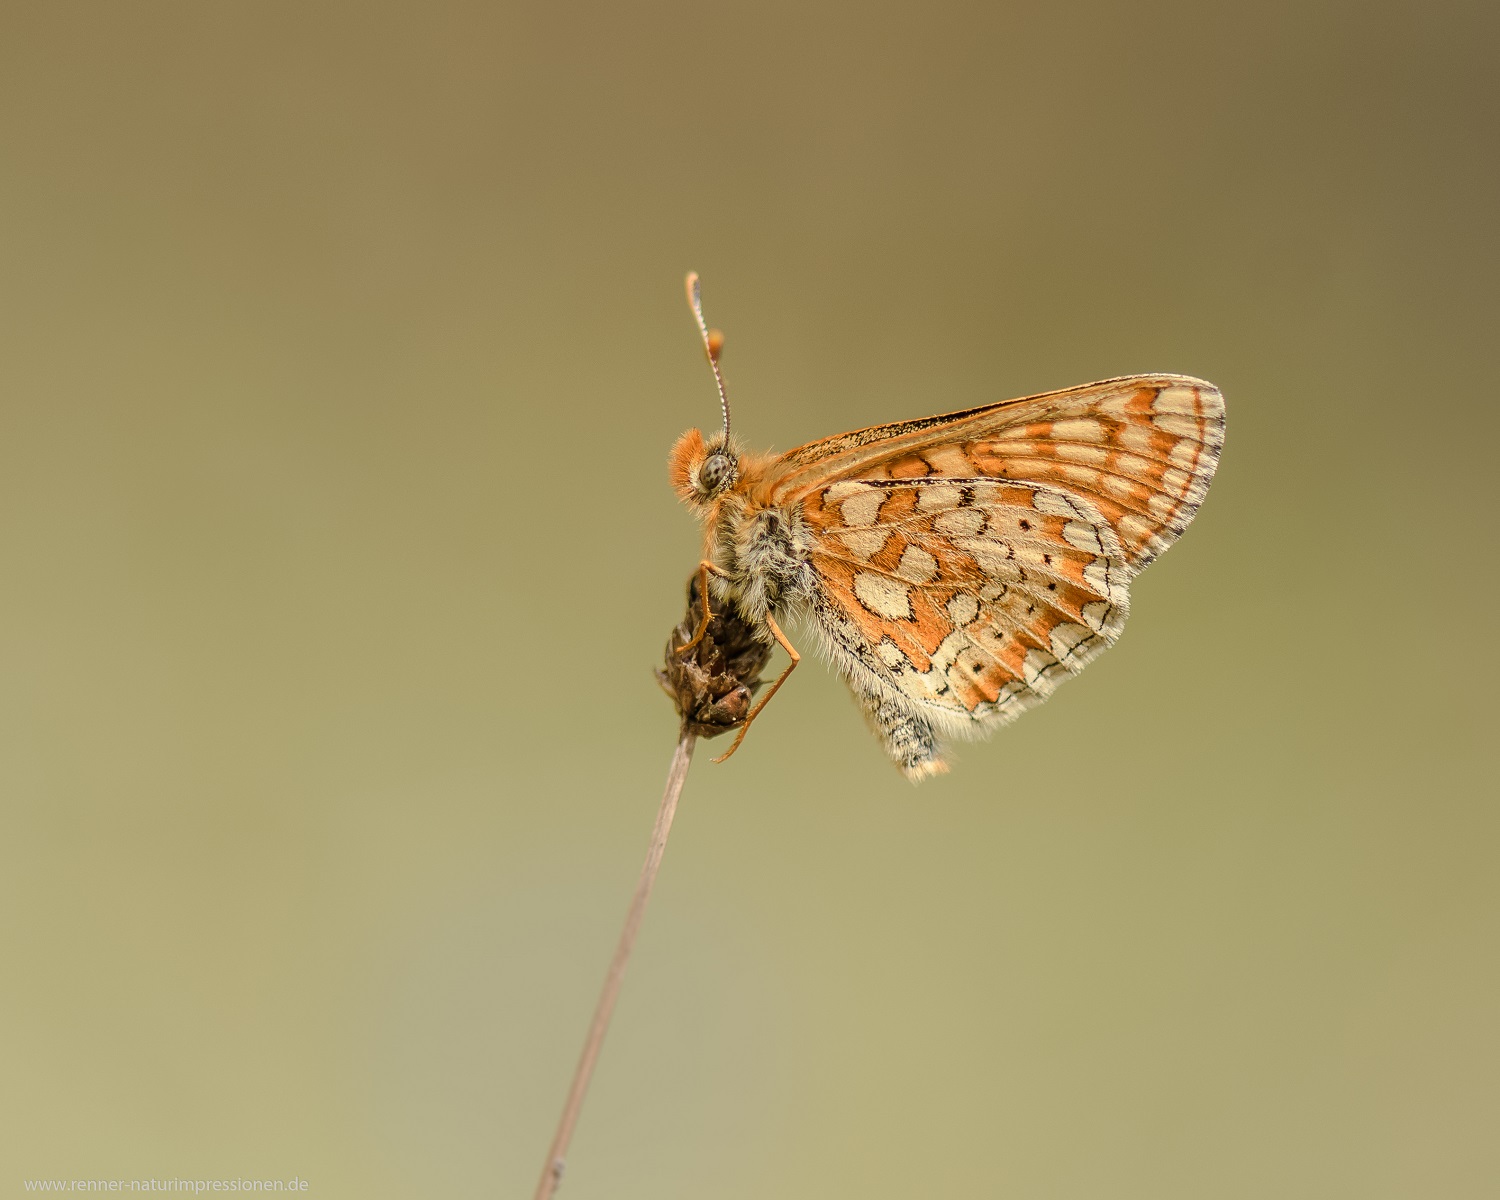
(1142, 449)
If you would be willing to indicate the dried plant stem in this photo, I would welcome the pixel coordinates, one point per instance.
(552, 1172)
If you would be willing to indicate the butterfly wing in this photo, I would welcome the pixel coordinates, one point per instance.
(972, 561)
(1140, 450)
(972, 597)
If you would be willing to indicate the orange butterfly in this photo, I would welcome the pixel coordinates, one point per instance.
(955, 568)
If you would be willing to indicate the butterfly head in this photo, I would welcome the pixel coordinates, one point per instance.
(702, 471)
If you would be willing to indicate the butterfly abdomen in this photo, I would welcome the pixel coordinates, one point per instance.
(908, 737)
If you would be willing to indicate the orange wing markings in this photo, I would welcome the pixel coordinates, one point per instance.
(1175, 405)
(977, 679)
(1121, 474)
(995, 661)
(1144, 464)
(909, 466)
(1142, 451)
(1124, 503)
(1018, 583)
(1142, 504)
(906, 634)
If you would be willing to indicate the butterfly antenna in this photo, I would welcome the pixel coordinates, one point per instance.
(713, 343)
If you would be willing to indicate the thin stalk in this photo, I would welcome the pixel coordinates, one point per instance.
(676, 775)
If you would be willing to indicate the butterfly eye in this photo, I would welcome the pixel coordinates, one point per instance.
(716, 473)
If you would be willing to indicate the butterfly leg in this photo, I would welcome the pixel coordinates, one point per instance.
(704, 568)
(766, 699)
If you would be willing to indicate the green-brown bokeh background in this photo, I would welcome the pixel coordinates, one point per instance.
(341, 349)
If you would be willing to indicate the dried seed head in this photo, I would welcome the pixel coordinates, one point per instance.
(713, 682)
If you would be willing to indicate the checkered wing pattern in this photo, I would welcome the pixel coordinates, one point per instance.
(984, 556)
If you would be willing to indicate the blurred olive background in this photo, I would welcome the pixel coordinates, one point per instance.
(341, 349)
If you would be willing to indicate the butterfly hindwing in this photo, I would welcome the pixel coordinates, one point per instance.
(975, 596)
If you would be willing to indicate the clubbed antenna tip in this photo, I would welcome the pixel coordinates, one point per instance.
(713, 342)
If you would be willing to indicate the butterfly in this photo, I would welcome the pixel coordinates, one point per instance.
(956, 568)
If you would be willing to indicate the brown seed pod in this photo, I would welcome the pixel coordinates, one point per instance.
(713, 681)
